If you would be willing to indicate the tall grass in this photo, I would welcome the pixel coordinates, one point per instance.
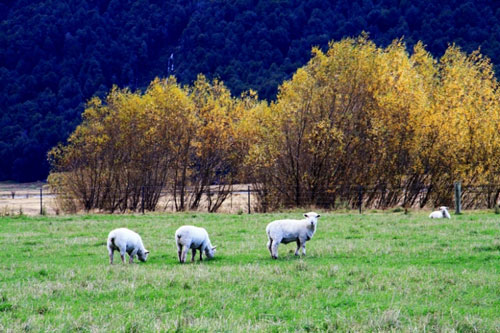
(372, 272)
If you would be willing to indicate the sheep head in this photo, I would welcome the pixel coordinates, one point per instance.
(312, 217)
(444, 209)
(210, 251)
(143, 256)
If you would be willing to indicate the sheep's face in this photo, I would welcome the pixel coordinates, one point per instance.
(444, 210)
(143, 256)
(210, 252)
(312, 217)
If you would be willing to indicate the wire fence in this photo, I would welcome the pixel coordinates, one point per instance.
(43, 200)
(242, 199)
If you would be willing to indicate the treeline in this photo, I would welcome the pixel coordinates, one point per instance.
(356, 114)
(56, 55)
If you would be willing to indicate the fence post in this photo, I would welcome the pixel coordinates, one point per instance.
(360, 197)
(41, 202)
(142, 199)
(249, 199)
(458, 195)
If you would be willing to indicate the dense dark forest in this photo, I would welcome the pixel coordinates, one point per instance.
(55, 55)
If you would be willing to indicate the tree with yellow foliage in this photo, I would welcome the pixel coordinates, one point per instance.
(187, 139)
(378, 117)
(403, 126)
(124, 149)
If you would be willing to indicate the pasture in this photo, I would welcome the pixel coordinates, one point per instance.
(380, 271)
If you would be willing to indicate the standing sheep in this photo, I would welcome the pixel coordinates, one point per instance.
(287, 231)
(440, 214)
(194, 238)
(125, 240)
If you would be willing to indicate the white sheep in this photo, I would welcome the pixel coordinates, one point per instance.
(287, 231)
(125, 240)
(441, 213)
(194, 238)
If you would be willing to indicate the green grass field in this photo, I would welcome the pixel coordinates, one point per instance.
(370, 272)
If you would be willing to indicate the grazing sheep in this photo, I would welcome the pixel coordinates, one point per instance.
(194, 238)
(441, 213)
(125, 240)
(287, 231)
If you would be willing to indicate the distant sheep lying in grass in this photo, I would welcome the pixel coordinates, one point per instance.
(125, 240)
(287, 231)
(441, 213)
(194, 238)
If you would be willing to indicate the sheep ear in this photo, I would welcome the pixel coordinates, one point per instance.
(318, 215)
(214, 247)
(305, 214)
(147, 252)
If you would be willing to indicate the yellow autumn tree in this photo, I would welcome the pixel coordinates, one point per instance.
(460, 132)
(404, 127)
(338, 124)
(130, 147)
(215, 157)
(122, 153)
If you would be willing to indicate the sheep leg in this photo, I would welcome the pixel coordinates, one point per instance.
(201, 255)
(122, 255)
(298, 247)
(269, 244)
(193, 254)
(179, 251)
(131, 256)
(111, 252)
(184, 254)
(274, 249)
(304, 248)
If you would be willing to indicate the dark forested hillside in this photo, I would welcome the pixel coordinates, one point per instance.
(55, 55)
